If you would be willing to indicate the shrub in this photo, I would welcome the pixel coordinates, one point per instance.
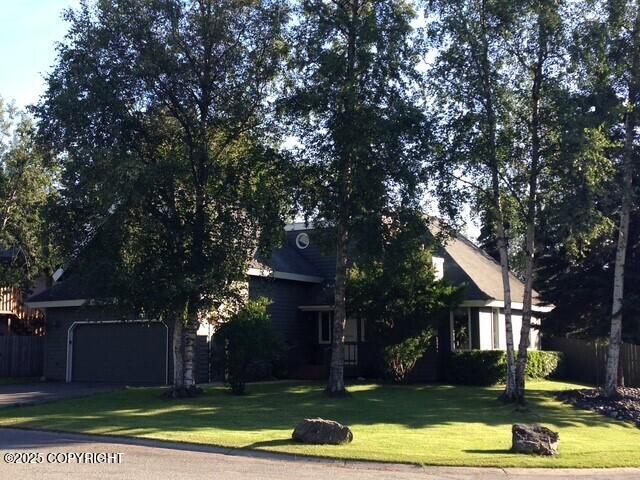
(488, 367)
(544, 364)
(402, 357)
(246, 340)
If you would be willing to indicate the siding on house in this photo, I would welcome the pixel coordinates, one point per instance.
(315, 253)
(287, 319)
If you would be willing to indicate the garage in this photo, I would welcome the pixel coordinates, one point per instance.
(118, 352)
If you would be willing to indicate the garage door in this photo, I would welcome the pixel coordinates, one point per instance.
(127, 352)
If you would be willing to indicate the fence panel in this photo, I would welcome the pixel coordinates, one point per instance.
(585, 360)
(21, 356)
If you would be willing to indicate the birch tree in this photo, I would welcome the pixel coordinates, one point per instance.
(352, 94)
(469, 88)
(156, 112)
(26, 191)
(537, 47)
(624, 25)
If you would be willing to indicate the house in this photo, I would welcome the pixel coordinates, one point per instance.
(85, 342)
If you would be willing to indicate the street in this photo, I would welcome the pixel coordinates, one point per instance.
(60, 457)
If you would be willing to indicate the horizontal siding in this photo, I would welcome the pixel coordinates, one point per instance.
(287, 319)
(315, 253)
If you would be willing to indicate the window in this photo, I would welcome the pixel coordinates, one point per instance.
(461, 329)
(351, 330)
(495, 328)
(302, 241)
(438, 266)
(325, 321)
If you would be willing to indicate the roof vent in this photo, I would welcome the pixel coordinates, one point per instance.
(302, 241)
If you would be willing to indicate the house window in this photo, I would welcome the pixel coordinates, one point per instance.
(325, 319)
(495, 328)
(351, 330)
(438, 266)
(461, 329)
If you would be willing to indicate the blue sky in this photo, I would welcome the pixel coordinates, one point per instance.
(29, 31)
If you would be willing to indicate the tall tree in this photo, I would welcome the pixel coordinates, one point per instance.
(538, 47)
(494, 79)
(399, 294)
(624, 23)
(469, 83)
(26, 191)
(353, 92)
(156, 111)
(593, 192)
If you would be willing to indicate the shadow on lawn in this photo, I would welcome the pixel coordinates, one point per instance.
(273, 443)
(492, 451)
(281, 406)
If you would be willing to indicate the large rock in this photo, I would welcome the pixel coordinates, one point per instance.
(534, 438)
(319, 431)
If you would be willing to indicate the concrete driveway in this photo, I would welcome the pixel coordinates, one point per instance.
(60, 456)
(32, 393)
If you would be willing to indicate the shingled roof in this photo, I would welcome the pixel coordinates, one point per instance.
(484, 273)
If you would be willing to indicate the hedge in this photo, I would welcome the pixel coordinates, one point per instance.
(488, 367)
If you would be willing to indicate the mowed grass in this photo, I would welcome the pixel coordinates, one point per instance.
(426, 424)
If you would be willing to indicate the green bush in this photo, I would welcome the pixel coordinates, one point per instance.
(402, 357)
(488, 367)
(544, 364)
(246, 341)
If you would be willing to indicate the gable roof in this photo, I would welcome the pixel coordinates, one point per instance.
(286, 259)
(484, 272)
(285, 263)
(467, 264)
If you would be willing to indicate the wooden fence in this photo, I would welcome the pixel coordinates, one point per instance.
(585, 360)
(21, 356)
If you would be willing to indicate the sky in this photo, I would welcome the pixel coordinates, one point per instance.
(30, 30)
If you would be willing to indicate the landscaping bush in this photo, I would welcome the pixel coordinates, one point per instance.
(402, 357)
(488, 367)
(544, 364)
(247, 340)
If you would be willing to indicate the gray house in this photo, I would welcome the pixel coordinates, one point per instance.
(85, 342)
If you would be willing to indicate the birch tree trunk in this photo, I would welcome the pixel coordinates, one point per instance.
(525, 329)
(336, 370)
(497, 214)
(189, 354)
(178, 365)
(531, 205)
(615, 336)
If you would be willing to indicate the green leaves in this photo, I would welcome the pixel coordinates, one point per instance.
(396, 292)
(27, 189)
(157, 113)
(248, 337)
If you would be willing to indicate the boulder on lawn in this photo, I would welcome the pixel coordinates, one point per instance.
(534, 438)
(319, 431)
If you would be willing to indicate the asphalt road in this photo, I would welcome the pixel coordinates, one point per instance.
(33, 393)
(62, 456)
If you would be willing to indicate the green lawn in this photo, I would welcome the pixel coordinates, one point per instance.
(434, 425)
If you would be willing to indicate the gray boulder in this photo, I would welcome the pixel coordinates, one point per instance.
(319, 431)
(534, 438)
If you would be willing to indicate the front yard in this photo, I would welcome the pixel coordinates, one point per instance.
(427, 424)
